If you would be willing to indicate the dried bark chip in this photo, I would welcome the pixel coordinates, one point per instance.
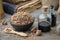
(22, 18)
(38, 33)
(34, 29)
(4, 22)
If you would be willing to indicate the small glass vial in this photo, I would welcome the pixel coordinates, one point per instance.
(43, 24)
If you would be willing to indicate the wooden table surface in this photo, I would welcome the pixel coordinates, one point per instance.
(45, 36)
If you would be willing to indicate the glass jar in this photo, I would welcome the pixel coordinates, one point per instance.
(43, 23)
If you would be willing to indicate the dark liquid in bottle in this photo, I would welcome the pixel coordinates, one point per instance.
(44, 26)
(53, 23)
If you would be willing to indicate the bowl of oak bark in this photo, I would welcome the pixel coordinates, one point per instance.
(22, 22)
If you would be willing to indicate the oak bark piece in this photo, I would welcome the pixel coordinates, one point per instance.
(31, 5)
(38, 33)
(21, 18)
(31, 9)
(34, 29)
(49, 2)
(1, 10)
(4, 22)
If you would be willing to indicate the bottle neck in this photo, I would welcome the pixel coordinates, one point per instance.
(45, 12)
(52, 11)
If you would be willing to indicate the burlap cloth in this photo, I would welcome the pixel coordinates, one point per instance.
(49, 2)
(1, 10)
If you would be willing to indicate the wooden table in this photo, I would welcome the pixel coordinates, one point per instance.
(45, 36)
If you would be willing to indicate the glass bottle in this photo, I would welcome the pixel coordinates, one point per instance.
(43, 24)
(53, 15)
